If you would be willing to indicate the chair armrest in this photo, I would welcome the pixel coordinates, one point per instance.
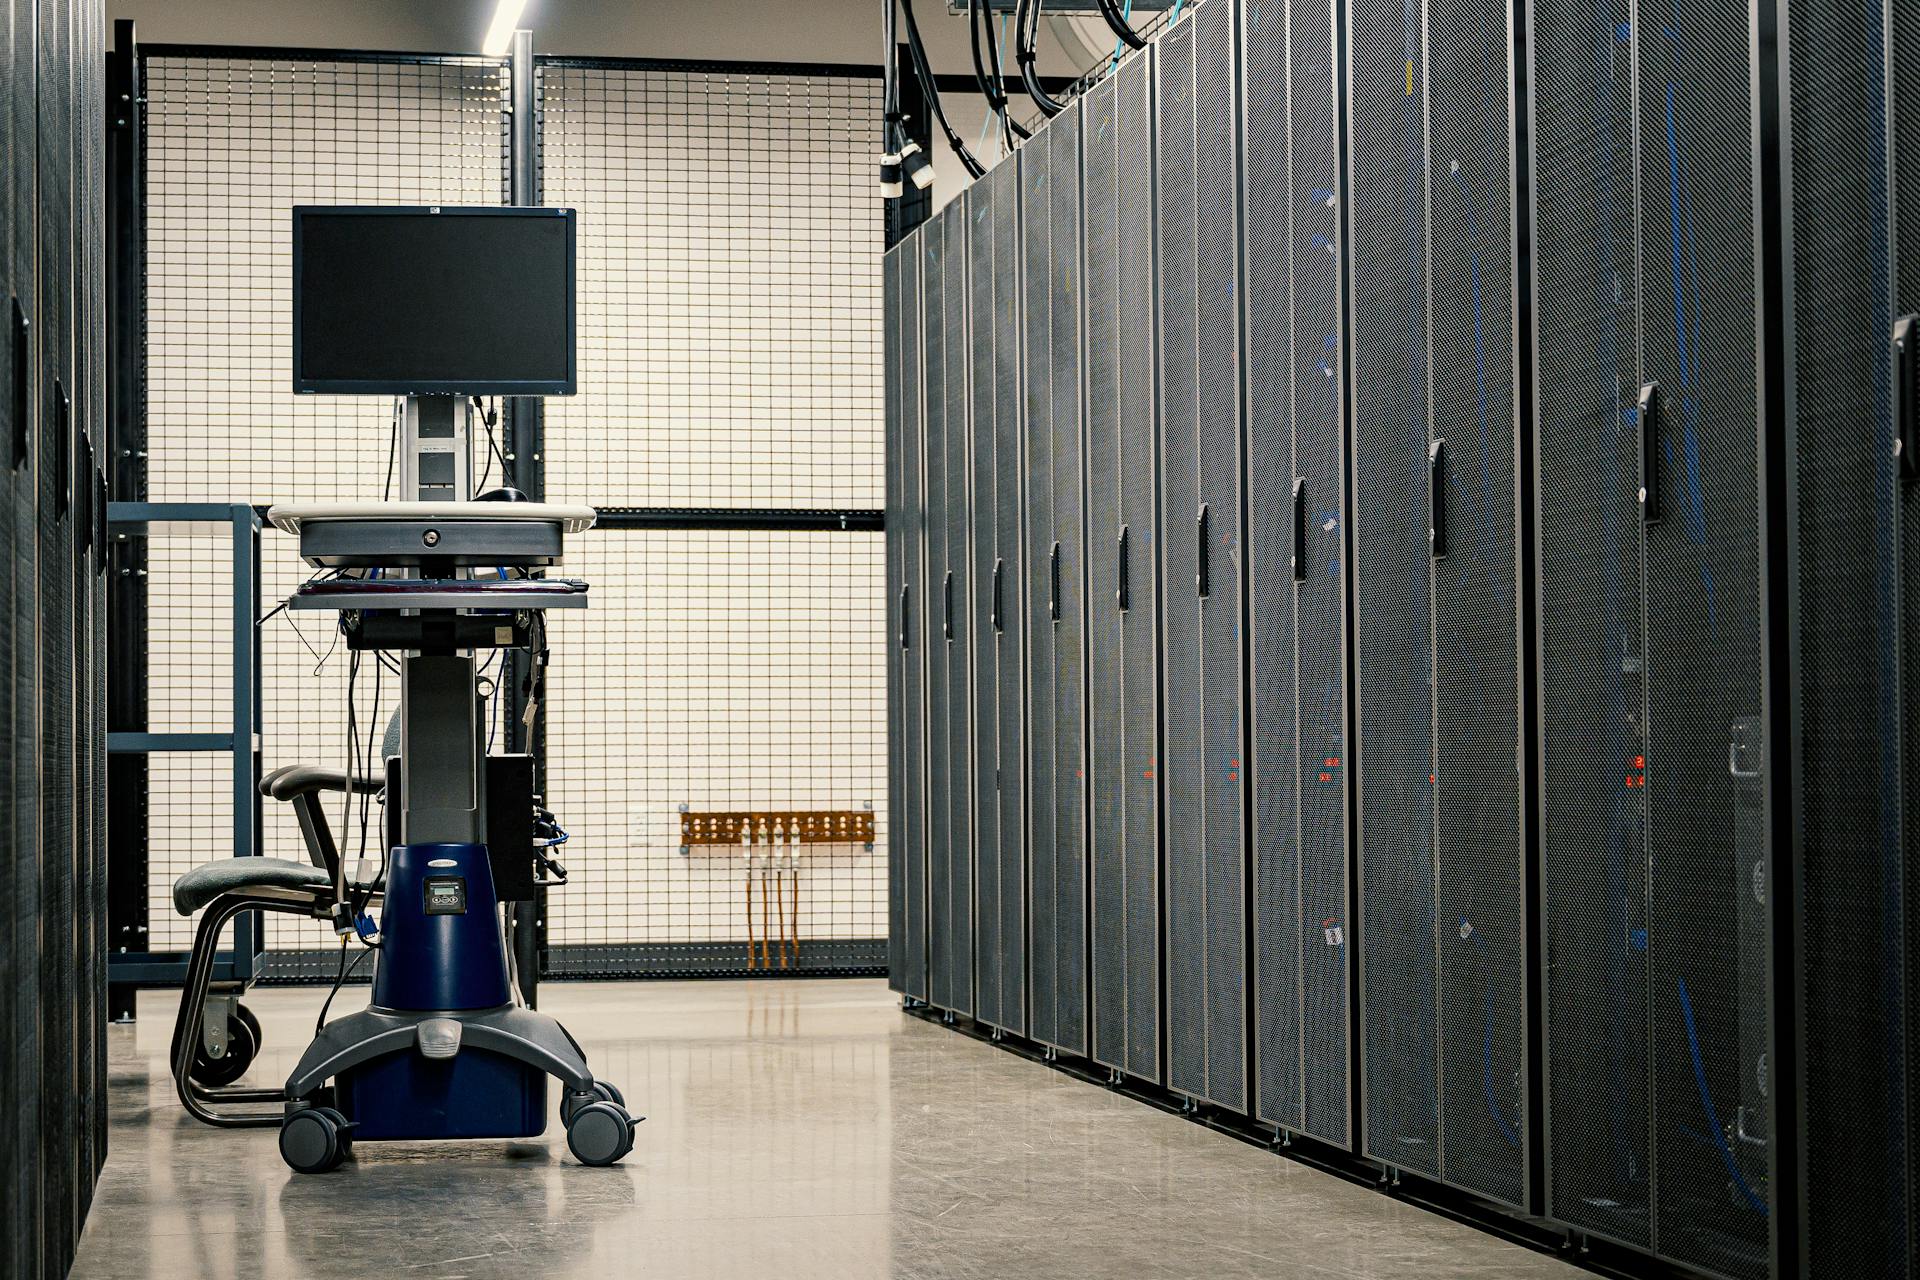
(285, 784)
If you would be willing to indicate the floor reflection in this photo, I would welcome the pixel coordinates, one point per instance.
(795, 1129)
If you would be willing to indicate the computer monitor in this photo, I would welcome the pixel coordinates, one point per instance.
(433, 300)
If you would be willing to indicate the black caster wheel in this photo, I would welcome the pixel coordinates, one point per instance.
(607, 1092)
(313, 1140)
(243, 1045)
(600, 1133)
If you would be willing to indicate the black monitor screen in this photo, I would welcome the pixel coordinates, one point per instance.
(433, 301)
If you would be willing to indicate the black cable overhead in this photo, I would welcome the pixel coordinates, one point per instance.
(890, 186)
(991, 87)
(932, 93)
(1025, 31)
(1121, 27)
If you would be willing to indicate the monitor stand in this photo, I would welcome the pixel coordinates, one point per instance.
(436, 449)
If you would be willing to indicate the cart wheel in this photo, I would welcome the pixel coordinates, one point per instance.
(570, 1105)
(310, 1140)
(243, 1045)
(246, 1016)
(600, 1133)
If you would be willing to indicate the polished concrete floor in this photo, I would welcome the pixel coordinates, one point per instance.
(796, 1129)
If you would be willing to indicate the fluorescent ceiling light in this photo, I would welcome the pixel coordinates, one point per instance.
(500, 34)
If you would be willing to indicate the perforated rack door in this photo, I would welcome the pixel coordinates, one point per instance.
(991, 209)
(1846, 132)
(906, 631)
(943, 268)
(1200, 561)
(1296, 573)
(1124, 706)
(1055, 593)
(1436, 593)
(1652, 811)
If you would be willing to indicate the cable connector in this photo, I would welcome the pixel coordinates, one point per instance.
(890, 187)
(917, 165)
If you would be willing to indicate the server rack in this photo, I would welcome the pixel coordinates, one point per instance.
(54, 465)
(1296, 570)
(950, 829)
(1654, 846)
(1123, 593)
(1436, 593)
(1848, 80)
(906, 642)
(19, 611)
(993, 363)
(1201, 562)
(1055, 594)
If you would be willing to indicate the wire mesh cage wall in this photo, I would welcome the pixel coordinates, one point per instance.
(729, 356)
(730, 327)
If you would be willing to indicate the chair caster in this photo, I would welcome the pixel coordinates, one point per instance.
(571, 1104)
(243, 1046)
(315, 1140)
(600, 1133)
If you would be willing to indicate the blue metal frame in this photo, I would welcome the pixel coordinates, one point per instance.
(244, 963)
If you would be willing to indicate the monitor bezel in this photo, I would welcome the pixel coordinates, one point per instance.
(303, 385)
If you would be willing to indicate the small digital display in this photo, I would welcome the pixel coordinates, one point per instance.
(433, 300)
(446, 896)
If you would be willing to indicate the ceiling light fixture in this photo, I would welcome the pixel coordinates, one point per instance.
(500, 34)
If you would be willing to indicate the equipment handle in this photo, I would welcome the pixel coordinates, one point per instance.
(1437, 499)
(22, 358)
(1649, 415)
(1053, 575)
(100, 521)
(1906, 394)
(63, 449)
(1299, 529)
(1202, 579)
(906, 635)
(947, 590)
(999, 615)
(1123, 593)
(83, 525)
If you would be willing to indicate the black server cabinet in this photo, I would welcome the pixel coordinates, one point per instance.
(999, 768)
(1201, 562)
(907, 641)
(1442, 855)
(1055, 595)
(54, 463)
(1653, 833)
(1849, 128)
(19, 841)
(950, 801)
(1296, 571)
(1122, 636)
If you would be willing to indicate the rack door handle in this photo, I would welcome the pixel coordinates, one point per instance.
(1650, 410)
(1202, 579)
(22, 358)
(1299, 529)
(999, 614)
(83, 491)
(1053, 577)
(1437, 499)
(946, 590)
(1123, 593)
(1906, 394)
(906, 601)
(63, 449)
(101, 544)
